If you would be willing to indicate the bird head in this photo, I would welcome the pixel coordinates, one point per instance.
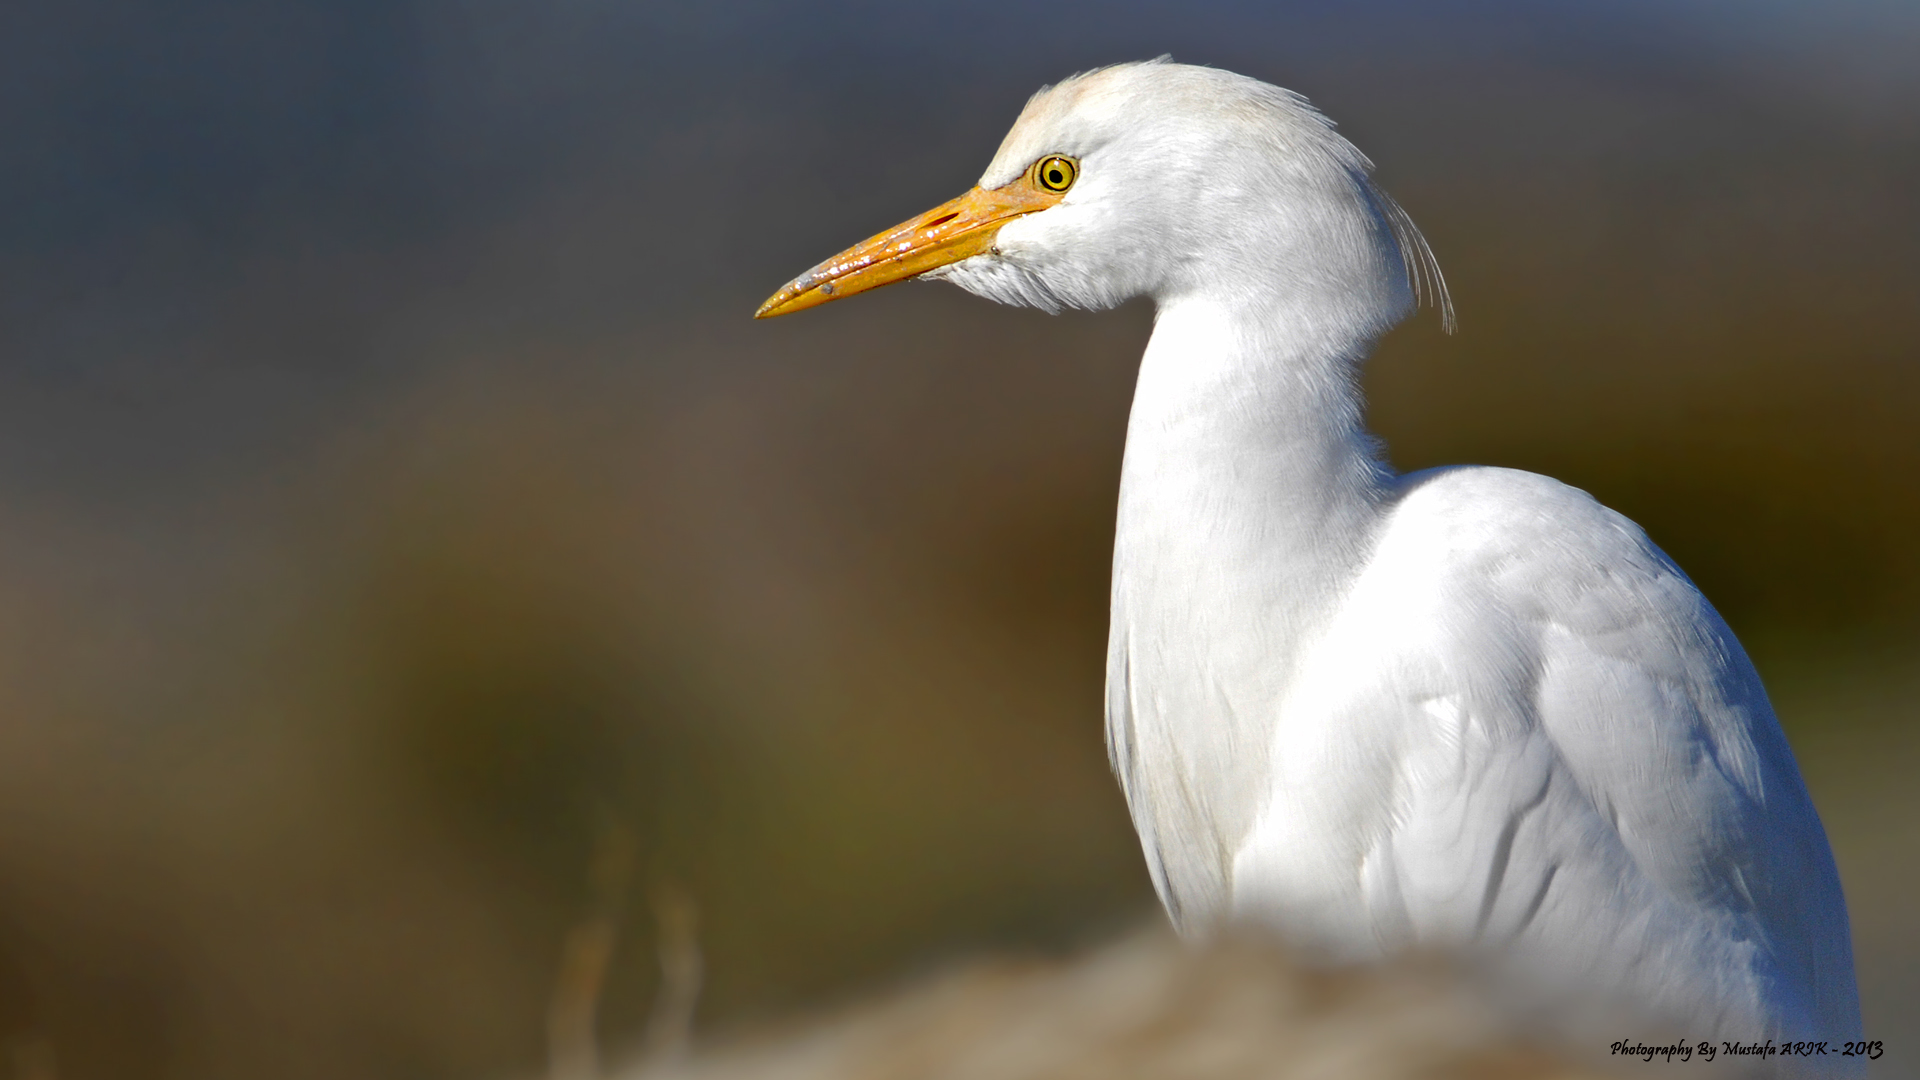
(1163, 180)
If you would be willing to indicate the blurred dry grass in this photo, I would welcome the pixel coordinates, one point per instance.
(1147, 1008)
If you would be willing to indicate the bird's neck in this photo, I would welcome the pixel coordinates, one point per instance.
(1248, 497)
(1249, 483)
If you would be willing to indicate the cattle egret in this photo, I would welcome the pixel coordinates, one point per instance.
(1466, 709)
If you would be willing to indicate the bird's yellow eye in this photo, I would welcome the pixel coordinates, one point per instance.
(1055, 172)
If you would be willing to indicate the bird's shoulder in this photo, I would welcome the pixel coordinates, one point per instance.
(1581, 607)
(1515, 545)
(1481, 515)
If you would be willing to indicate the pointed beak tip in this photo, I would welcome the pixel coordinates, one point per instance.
(774, 305)
(785, 302)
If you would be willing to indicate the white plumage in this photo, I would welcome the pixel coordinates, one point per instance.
(1466, 708)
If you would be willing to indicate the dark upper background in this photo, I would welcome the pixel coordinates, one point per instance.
(396, 501)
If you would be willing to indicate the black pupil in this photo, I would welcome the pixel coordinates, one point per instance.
(1055, 177)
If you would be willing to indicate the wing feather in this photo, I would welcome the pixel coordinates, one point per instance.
(1658, 731)
(1583, 767)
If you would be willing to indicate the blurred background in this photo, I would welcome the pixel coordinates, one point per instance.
(409, 549)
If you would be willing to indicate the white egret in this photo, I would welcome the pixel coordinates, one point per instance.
(1466, 708)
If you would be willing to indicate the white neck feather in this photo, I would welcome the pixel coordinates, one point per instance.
(1245, 446)
(1248, 497)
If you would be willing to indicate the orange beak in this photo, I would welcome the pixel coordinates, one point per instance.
(945, 234)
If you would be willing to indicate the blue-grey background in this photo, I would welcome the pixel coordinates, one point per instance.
(396, 501)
